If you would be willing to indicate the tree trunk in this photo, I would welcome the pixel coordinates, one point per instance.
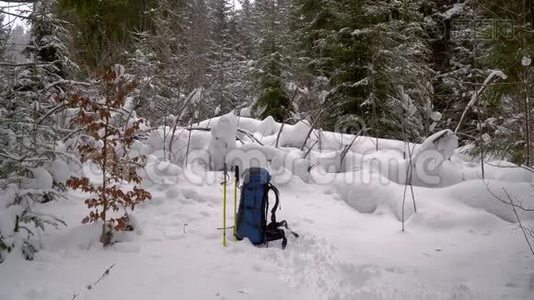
(105, 238)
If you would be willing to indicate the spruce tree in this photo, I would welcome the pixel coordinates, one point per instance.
(508, 112)
(3, 36)
(222, 59)
(456, 39)
(272, 64)
(158, 63)
(398, 70)
(373, 54)
(3, 50)
(198, 45)
(29, 125)
(244, 20)
(104, 28)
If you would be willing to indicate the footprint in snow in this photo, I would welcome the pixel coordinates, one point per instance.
(236, 250)
(310, 221)
(190, 194)
(257, 268)
(186, 201)
(127, 248)
(174, 236)
(172, 193)
(311, 262)
(211, 236)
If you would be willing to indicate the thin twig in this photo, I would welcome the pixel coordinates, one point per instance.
(104, 275)
(519, 206)
(519, 221)
(29, 64)
(311, 129)
(408, 182)
(530, 169)
(309, 150)
(250, 135)
(279, 134)
(188, 143)
(347, 147)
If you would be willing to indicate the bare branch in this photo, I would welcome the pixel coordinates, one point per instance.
(530, 169)
(279, 134)
(311, 130)
(347, 147)
(104, 275)
(519, 221)
(14, 15)
(250, 135)
(311, 148)
(475, 98)
(519, 206)
(28, 64)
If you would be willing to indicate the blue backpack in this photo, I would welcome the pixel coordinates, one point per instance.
(254, 208)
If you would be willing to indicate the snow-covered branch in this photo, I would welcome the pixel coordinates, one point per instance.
(494, 75)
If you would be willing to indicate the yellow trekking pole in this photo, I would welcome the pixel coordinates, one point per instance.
(224, 204)
(236, 186)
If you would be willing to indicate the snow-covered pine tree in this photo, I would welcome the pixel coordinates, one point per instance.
(3, 35)
(272, 59)
(158, 63)
(4, 245)
(455, 31)
(3, 50)
(243, 37)
(508, 111)
(165, 64)
(31, 136)
(192, 58)
(397, 69)
(103, 29)
(369, 51)
(329, 51)
(240, 47)
(223, 62)
(198, 45)
(244, 20)
(16, 42)
(315, 23)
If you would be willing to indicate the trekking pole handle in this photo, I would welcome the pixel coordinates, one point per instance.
(225, 174)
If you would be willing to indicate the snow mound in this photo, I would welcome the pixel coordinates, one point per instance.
(59, 170)
(482, 195)
(42, 180)
(268, 127)
(222, 140)
(294, 136)
(445, 142)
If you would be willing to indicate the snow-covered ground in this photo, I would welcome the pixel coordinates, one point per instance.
(461, 244)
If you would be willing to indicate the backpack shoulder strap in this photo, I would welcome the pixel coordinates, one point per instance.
(277, 202)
